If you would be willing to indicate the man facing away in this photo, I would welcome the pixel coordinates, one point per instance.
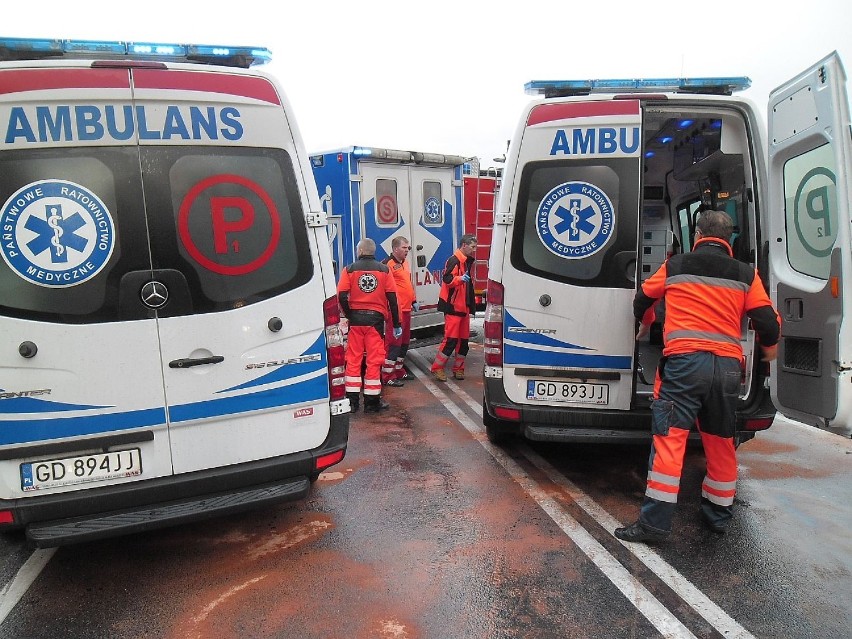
(457, 301)
(706, 293)
(367, 294)
(393, 371)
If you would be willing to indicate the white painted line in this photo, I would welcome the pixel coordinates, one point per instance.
(11, 594)
(655, 612)
(685, 589)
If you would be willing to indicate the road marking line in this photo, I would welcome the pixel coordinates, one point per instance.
(26, 575)
(655, 612)
(685, 589)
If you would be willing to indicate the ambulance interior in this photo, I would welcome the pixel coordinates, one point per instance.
(693, 159)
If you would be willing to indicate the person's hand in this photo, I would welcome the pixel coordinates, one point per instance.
(415, 306)
(397, 332)
(769, 353)
(643, 331)
(465, 278)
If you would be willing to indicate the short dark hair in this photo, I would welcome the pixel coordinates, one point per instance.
(716, 224)
(466, 239)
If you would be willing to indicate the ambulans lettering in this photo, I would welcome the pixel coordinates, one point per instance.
(90, 123)
(56, 233)
(599, 141)
(575, 220)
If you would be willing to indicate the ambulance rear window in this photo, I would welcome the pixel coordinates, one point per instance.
(230, 220)
(576, 221)
(83, 229)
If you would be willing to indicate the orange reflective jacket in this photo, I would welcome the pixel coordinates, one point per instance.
(707, 292)
(367, 285)
(402, 277)
(457, 296)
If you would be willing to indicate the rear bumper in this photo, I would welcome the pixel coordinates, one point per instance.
(587, 425)
(97, 513)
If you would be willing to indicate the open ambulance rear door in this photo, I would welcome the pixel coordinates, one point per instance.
(810, 152)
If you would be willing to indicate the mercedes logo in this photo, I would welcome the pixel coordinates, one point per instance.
(154, 294)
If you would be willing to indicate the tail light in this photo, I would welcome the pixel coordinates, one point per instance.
(758, 423)
(493, 324)
(330, 459)
(334, 348)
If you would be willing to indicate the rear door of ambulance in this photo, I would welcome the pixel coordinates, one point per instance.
(570, 278)
(417, 202)
(243, 348)
(810, 244)
(80, 377)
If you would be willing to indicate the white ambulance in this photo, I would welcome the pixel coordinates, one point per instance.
(170, 346)
(603, 181)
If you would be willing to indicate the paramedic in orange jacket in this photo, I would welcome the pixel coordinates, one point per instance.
(456, 300)
(367, 293)
(393, 372)
(707, 292)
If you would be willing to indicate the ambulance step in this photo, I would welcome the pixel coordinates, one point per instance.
(80, 529)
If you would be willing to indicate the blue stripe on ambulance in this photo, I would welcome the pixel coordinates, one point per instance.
(33, 430)
(535, 349)
(312, 386)
(533, 338)
(308, 390)
(32, 405)
(289, 371)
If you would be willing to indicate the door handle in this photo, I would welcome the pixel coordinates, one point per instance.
(195, 361)
(794, 309)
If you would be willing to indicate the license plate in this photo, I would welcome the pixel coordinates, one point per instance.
(51, 473)
(576, 392)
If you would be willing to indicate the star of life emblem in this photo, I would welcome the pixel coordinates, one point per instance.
(56, 233)
(432, 209)
(575, 220)
(368, 282)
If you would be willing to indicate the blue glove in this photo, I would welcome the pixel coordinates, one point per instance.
(415, 306)
(466, 278)
(397, 332)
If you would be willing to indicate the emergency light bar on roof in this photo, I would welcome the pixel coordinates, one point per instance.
(561, 88)
(39, 49)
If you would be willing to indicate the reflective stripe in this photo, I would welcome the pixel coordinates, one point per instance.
(352, 380)
(668, 480)
(660, 495)
(713, 337)
(720, 485)
(718, 282)
(716, 499)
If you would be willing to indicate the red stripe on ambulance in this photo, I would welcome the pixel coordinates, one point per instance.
(568, 110)
(255, 88)
(20, 81)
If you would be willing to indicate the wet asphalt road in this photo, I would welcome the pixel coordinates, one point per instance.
(425, 530)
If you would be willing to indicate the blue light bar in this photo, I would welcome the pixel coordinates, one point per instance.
(39, 48)
(717, 86)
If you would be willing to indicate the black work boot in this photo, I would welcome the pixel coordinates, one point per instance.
(637, 532)
(353, 401)
(374, 403)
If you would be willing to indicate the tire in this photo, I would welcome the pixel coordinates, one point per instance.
(496, 430)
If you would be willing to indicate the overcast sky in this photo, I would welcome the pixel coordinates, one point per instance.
(446, 76)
